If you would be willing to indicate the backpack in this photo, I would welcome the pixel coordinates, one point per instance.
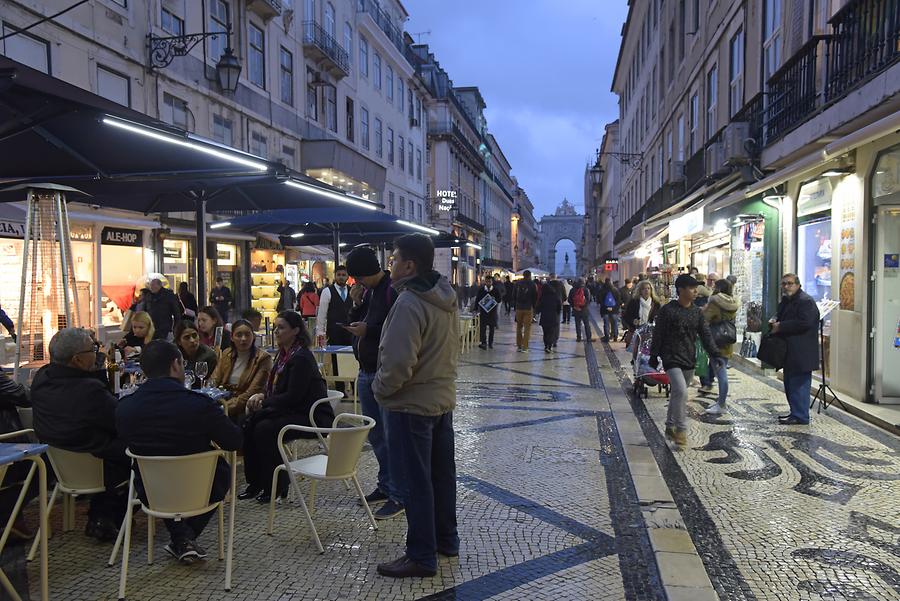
(578, 300)
(609, 301)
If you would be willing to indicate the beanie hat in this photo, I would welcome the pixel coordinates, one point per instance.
(685, 281)
(362, 261)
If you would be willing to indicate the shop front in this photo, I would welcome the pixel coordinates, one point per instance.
(122, 267)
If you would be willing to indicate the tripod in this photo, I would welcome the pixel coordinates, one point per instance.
(824, 388)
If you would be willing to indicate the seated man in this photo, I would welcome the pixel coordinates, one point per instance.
(74, 411)
(163, 418)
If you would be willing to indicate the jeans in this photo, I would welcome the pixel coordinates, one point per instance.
(679, 380)
(486, 335)
(610, 321)
(523, 327)
(719, 369)
(422, 453)
(797, 385)
(378, 438)
(582, 319)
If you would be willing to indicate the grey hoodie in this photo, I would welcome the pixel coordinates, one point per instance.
(419, 348)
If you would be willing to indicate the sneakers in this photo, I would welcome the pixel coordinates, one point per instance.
(547, 349)
(376, 497)
(389, 510)
(706, 388)
(714, 409)
(677, 436)
(185, 551)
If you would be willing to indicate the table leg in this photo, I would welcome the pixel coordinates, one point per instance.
(42, 500)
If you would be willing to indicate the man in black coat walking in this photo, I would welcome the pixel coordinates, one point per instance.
(164, 308)
(488, 319)
(796, 322)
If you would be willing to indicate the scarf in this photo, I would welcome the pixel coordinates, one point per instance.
(646, 306)
(281, 360)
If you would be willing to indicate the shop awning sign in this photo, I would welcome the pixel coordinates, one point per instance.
(117, 236)
(686, 225)
(12, 229)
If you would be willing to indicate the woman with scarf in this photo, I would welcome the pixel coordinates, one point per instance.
(642, 308)
(294, 384)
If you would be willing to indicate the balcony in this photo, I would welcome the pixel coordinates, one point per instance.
(623, 232)
(322, 47)
(468, 222)
(865, 40)
(694, 170)
(385, 23)
(753, 114)
(792, 91)
(265, 8)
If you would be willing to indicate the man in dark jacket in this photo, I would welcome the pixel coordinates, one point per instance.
(371, 303)
(608, 299)
(488, 319)
(220, 297)
(678, 324)
(796, 322)
(162, 418)
(580, 301)
(74, 411)
(164, 309)
(526, 301)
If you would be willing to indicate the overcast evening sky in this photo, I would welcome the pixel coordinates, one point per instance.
(544, 68)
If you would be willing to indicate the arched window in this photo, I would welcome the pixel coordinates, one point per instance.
(309, 9)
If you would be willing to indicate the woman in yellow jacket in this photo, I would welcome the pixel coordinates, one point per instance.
(243, 369)
(720, 307)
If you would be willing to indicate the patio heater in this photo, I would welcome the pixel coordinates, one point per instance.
(48, 299)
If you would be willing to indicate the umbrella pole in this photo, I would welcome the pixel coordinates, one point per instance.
(336, 244)
(200, 203)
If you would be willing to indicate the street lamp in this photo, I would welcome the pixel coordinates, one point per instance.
(163, 51)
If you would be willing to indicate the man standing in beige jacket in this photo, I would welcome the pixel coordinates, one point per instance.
(416, 388)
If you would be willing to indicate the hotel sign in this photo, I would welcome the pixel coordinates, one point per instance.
(446, 200)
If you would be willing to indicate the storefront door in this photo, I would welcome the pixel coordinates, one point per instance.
(886, 294)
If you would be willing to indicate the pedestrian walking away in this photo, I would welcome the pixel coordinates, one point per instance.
(797, 322)
(580, 301)
(719, 312)
(550, 307)
(567, 306)
(372, 299)
(416, 387)
(608, 300)
(526, 301)
(487, 319)
(678, 325)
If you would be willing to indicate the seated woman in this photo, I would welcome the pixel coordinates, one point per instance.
(293, 386)
(141, 334)
(187, 337)
(208, 319)
(243, 369)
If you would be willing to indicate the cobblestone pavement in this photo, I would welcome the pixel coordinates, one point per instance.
(540, 517)
(779, 512)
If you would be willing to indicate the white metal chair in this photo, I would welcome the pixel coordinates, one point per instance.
(348, 374)
(76, 474)
(179, 487)
(344, 448)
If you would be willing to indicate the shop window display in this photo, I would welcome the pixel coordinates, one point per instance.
(814, 258)
(747, 266)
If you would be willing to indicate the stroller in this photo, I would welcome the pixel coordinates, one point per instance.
(644, 375)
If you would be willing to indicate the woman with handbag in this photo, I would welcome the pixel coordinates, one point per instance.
(719, 312)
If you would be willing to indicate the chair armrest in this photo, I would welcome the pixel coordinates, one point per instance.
(23, 432)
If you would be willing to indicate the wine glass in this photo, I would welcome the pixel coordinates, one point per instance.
(202, 370)
(188, 379)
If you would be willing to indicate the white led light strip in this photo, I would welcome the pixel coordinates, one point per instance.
(421, 228)
(192, 145)
(333, 195)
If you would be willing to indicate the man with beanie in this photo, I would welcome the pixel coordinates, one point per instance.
(416, 389)
(372, 299)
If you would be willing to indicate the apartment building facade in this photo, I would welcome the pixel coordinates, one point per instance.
(601, 200)
(761, 139)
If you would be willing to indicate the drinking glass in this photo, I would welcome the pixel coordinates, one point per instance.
(202, 370)
(188, 379)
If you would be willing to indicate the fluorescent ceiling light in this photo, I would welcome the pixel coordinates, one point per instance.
(342, 245)
(297, 235)
(358, 202)
(836, 172)
(454, 258)
(473, 245)
(162, 137)
(219, 225)
(421, 228)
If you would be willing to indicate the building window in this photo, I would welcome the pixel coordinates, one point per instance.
(389, 84)
(736, 74)
(681, 138)
(350, 112)
(420, 212)
(682, 19)
(287, 77)
(409, 99)
(410, 159)
(312, 96)
(401, 149)
(402, 206)
(222, 130)
(712, 101)
(390, 146)
(696, 16)
(171, 22)
(364, 127)
(694, 122)
(376, 70)
(331, 108)
(259, 145)
(26, 48)
(175, 111)
(218, 21)
(669, 146)
(310, 7)
(363, 56)
(401, 89)
(288, 156)
(419, 110)
(113, 86)
(378, 140)
(418, 164)
(412, 209)
(329, 19)
(772, 37)
(391, 204)
(256, 57)
(348, 40)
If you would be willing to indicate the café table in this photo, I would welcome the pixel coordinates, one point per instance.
(10, 453)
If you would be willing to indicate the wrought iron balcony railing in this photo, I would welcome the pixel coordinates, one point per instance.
(753, 114)
(321, 45)
(865, 40)
(384, 22)
(792, 94)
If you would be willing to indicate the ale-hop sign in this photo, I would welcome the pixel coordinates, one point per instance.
(446, 200)
(117, 236)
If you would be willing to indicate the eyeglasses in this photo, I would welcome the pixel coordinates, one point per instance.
(789, 284)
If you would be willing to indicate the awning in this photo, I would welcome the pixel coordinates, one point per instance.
(705, 195)
(332, 154)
